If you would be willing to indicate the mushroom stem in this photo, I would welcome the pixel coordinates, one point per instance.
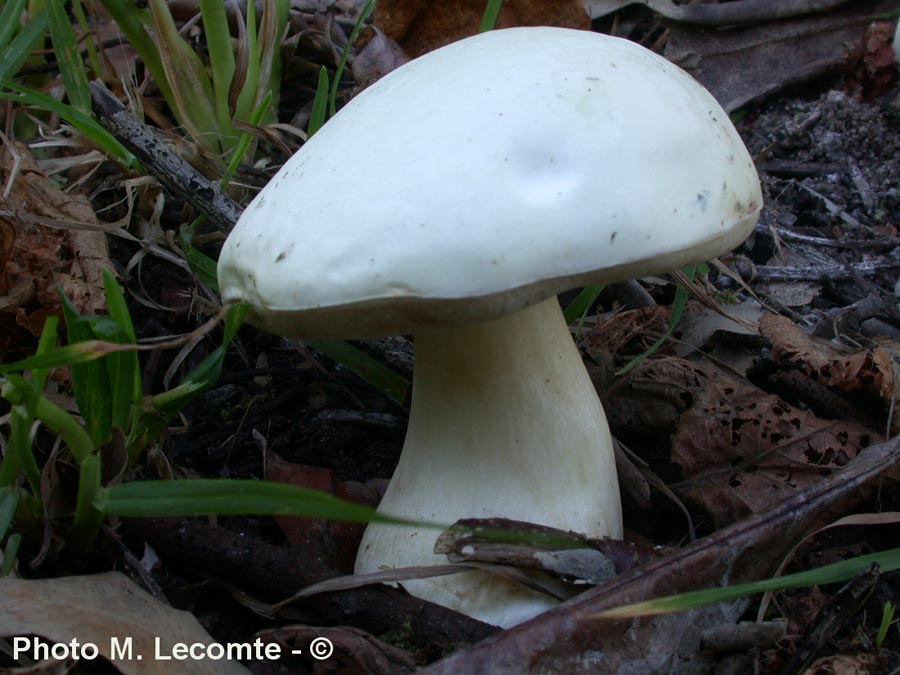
(505, 422)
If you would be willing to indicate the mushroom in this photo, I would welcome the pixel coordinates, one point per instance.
(453, 200)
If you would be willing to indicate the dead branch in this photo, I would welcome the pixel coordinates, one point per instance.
(153, 151)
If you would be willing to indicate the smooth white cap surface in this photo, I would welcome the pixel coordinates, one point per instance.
(486, 176)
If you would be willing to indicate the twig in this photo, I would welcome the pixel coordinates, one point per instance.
(824, 272)
(176, 175)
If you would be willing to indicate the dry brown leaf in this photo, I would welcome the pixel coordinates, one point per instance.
(743, 450)
(43, 258)
(871, 373)
(377, 58)
(740, 448)
(94, 609)
(420, 26)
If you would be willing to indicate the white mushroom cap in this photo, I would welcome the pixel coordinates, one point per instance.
(486, 176)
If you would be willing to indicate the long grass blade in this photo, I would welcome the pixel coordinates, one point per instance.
(367, 9)
(18, 51)
(231, 497)
(9, 21)
(838, 572)
(221, 56)
(319, 105)
(68, 57)
(357, 361)
(489, 18)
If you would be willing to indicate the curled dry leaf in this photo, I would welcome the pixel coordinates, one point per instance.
(56, 241)
(871, 374)
(377, 58)
(97, 609)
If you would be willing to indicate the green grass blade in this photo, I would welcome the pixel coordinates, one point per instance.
(357, 361)
(9, 502)
(200, 263)
(578, 308)
(10, 553)
(70, 355)
(244, 142)
(122, 367)
(234, 319)
(147, 499)
(221, 56)
(489, 18)
(887, 618)
(827, 574)
(367, 9)
(68, 57)
(90, 380)
(19, 456)
(97, 66)
(46, 343)
(249, 54)
(9, 21)
(118, 308)
(85, 124)
(18, 51)
(59, 421)
(320, 104)
(88, 518)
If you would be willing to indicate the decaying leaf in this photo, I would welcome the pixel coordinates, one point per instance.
(740, 448)
(56, 242)
(871, 373)
(743, 450)
(95, 609)
(420, 26)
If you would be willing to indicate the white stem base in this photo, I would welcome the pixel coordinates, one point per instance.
(504, 422)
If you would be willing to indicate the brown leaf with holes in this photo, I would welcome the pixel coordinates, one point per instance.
(420, 26)
(870, 374)
(743, 450)
(56, 242)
